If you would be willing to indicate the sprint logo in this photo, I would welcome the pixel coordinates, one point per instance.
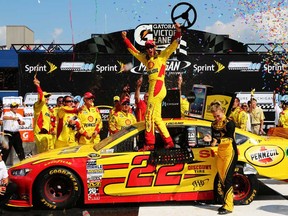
(217, 67)
(220, 66)
(52, 67)
(40, 68)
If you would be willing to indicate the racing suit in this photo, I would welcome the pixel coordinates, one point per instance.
(66, 132)
(43, 124)
(140, 111)
(227, 157)
(155, 67)
(120, 120)
(239, 117)
(90, 121)
(283, 119)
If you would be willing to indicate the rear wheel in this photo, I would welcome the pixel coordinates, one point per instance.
(57, 188)
(245, 188)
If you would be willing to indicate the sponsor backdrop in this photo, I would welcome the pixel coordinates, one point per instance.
(103, 66)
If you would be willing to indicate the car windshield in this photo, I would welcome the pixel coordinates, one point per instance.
(113, 137)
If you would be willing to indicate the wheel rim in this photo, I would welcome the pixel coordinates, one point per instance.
(241, 186)
(58, 188)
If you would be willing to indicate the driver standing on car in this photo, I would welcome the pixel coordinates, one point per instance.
(223, 133)
(156, 65)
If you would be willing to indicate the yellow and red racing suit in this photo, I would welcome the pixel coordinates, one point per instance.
(90, 123)
(240, 118)
(283, 119)
(66, 133)
(43, 126)
(156, 67)
(120, 120)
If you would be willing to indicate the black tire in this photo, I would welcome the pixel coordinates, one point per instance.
(245, 188)
(57, 188)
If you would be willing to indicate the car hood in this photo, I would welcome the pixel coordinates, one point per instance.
(62, 153)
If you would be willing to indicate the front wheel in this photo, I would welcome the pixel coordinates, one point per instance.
(57, 188)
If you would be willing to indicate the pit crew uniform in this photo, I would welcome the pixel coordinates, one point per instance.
(224, 133)
(283, 119)
(155, 67)
(44, 123)
(90, 122)
(240, 118)
(184, 105)
(120, 120)
(66, 132)
(140, 110)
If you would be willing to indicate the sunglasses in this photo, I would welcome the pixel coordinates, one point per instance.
(125, 104)
(68, 101)
(150, 46)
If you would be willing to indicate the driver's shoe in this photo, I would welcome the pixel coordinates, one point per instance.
(222, 211)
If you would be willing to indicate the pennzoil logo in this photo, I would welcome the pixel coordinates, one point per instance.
(264, 155)
(41, 68)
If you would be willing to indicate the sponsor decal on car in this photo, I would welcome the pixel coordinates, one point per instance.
(264, 156)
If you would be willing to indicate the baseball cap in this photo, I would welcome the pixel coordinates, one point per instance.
(14, 104)
(150, 43)
(89, 95)
(125, 100)
(46, 94)
(116, 98)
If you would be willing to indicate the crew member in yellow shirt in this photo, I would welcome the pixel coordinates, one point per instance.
(122, 118)
(90, 121)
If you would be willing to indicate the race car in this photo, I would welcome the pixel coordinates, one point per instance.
(115, 171)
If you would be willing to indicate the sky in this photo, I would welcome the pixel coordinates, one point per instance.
(73, 21)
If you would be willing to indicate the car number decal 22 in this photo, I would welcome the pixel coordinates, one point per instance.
(147, 175)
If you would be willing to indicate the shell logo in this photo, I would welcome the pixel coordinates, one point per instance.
(150, 64)
(90, 119)
(264, 156)
(128, 122)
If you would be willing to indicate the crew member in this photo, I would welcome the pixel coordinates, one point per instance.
(257, 118)
(90, 121)
(141, 105)
(223, 135)
(11, 125)
(44, 121)
(238, 115)
(122, 118)
(67, 124)
(283, 119)
(155, 64)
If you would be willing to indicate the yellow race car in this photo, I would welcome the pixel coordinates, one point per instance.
(114, 171)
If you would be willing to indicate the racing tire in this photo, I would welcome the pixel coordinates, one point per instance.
(57, 188)
(245, 188)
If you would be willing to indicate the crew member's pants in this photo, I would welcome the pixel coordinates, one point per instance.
(255, 128)
(157, 92)
(44, 142)
(15, 141)
(226, 163)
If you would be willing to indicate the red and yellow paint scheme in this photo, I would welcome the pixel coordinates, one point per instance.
(115, 171)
